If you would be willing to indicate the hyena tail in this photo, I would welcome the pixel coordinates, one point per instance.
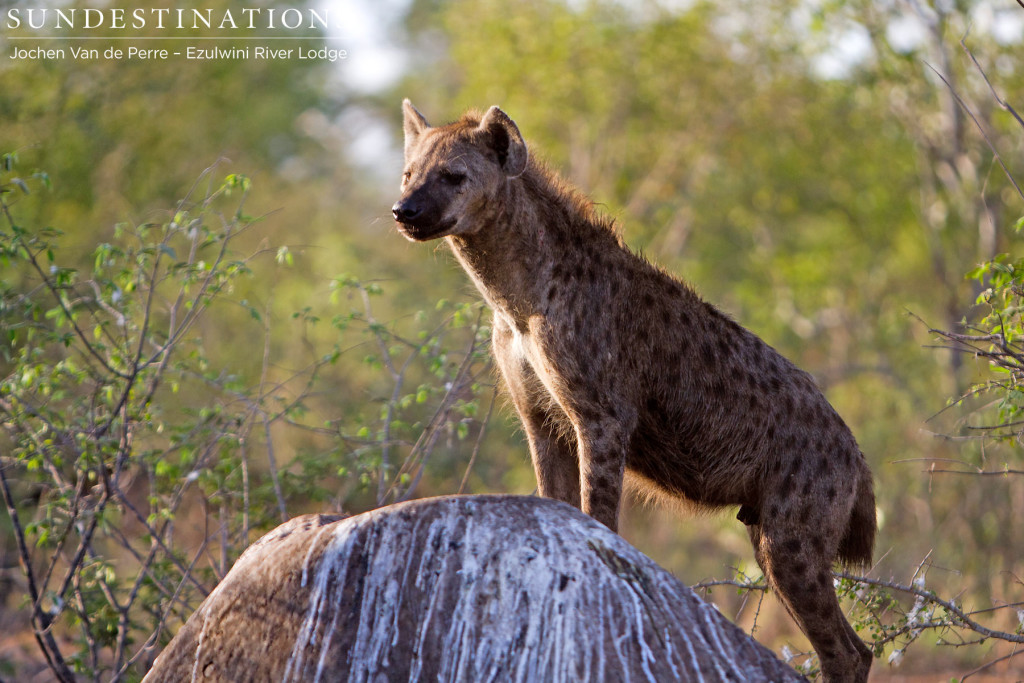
(859, 541)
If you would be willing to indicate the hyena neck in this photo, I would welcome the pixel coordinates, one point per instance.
(542, 230)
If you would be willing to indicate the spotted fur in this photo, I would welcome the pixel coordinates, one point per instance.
(616, 366)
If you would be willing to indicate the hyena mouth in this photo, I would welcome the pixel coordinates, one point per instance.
(422, 233)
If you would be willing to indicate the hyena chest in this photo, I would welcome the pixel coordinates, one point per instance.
(667, 440)
(536, 372)
(525, 351)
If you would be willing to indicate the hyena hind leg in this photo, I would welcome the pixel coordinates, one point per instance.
(799, 570)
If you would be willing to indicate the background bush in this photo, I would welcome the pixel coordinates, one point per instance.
(185, 362)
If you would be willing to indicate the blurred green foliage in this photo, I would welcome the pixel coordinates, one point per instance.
(130, 455)
(829, 211)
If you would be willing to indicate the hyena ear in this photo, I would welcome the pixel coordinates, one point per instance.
(414, 125)
(504, 138)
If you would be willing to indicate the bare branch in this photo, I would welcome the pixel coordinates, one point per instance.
(961, 618)
(981, 129)
(479, 440)
(999, 100)
(41, 620)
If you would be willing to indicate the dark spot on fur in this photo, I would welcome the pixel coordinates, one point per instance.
(822, 468)
(707, 354)
(805, 514)
(795, 464)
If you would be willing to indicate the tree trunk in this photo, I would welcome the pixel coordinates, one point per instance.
(470, 588)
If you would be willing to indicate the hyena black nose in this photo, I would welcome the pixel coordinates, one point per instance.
(405, 211)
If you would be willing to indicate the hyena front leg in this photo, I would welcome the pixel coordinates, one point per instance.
(603, 440)
(552, 441)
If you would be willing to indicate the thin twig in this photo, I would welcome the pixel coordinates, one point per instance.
(981, 129)
(425, 443)
(994, 661)
(978, 473)
(995, 95)
(43, 636)
(479, 441)
(963, 617)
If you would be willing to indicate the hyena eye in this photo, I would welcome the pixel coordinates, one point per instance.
(453, 177)
(406, 176)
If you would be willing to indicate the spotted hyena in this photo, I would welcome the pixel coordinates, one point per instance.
(617, 368)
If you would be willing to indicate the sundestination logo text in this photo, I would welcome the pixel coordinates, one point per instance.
(121, 18)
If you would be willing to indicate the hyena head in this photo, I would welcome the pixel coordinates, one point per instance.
(452, 173)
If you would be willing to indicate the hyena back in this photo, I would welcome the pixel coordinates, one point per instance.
(616, 367)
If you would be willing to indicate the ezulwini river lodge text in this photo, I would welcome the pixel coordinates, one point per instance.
(256, 52)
